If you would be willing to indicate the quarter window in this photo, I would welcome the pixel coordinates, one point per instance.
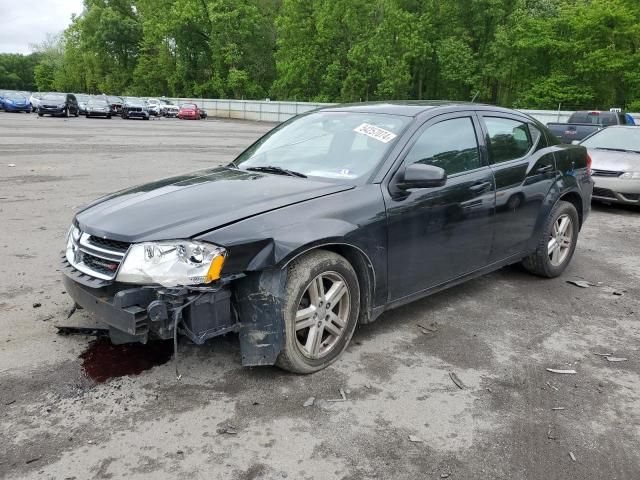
(451, 145)
(507, 139)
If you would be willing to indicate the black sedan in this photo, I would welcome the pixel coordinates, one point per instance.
(97, 107)
(326, 222)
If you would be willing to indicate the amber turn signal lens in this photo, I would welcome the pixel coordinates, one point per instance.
(215, 269)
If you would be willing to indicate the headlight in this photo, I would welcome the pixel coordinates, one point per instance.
(172, 263)
(630, 176)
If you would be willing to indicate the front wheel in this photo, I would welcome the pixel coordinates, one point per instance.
(321, 311)
(557, 244)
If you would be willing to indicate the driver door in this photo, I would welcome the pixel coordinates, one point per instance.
(438, 234)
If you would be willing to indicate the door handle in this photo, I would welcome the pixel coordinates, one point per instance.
(545, 169)
(480, 186)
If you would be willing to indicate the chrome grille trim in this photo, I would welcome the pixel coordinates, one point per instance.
(84, 246)
(605, 173)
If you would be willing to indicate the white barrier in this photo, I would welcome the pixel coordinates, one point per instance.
(267, 111)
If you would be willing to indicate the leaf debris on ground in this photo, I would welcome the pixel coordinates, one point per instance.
(566, 372)
(228, 430)
(603, 354)
(581, 283)
(342, 399)
(309, 402)
(616, 359)
(456, 380)
(557, 408)
(573, 457)
(414, 439)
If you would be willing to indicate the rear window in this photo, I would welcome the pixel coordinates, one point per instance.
(595, 118)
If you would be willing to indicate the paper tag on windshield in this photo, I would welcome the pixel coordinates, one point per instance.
(378, 133)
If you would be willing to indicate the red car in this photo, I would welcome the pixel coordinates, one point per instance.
(189, 111)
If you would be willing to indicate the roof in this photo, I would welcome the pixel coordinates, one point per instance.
(409, 108)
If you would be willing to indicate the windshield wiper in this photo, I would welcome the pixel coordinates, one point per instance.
(277, 171)
(615, 149)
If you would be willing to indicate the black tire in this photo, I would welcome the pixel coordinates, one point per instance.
(539, 263)
(299, 277)
(76, 114)
(66, 112)
(40, 114)
(109, 117)
(87, 115)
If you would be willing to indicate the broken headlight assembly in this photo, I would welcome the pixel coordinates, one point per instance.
(172, 263)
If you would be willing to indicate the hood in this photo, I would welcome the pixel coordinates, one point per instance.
(614, 161)
(188, 205)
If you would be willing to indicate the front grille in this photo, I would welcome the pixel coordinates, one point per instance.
(109, 244)
(97, 257)
(632, 197)
(603, 192)
(605, 173)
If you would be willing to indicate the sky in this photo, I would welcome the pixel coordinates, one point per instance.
(25, 22)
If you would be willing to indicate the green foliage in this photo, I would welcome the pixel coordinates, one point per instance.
(519, 53)
(17, 71)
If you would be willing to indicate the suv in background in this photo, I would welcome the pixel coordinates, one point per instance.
(58, 104)
(134, 108)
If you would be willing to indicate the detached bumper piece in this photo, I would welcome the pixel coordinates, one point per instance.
(135, 314)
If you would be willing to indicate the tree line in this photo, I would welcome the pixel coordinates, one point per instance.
(516, 53)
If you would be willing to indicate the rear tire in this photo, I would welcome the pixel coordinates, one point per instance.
(322, 303)
(557, 243)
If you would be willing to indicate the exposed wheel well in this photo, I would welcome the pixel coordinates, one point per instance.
(575, 199)
(364, 270)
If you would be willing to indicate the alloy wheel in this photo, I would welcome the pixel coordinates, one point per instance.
(322, 315)
(560, 240)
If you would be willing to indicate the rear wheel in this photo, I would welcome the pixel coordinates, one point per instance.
(321, 311)
(557, 244)
(66, 112)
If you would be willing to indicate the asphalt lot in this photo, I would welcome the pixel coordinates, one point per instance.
(498, 334)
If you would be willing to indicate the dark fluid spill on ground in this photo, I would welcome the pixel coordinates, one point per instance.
(102, 360)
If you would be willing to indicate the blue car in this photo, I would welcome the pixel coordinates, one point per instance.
(15, 102)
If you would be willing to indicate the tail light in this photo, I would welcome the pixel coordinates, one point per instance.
(589, 164)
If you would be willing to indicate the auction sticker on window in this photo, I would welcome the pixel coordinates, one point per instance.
(378, 133)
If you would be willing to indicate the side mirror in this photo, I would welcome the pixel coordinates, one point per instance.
(420, 175)
(575, 142)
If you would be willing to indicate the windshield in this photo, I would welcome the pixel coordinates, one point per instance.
(338, 145)
(188, 105)
(82, 98)
(97, 103)
(54, 97)
(15, 96)
(615, 138)
(115, 99)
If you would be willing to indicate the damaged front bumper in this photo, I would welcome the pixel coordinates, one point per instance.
(135, 314)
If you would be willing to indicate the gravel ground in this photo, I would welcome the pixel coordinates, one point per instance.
(498, 334)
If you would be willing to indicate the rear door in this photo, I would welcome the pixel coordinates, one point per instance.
(524, 170)
(438, 234)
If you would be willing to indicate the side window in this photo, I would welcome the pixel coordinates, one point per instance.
(451, 145)
(507, 139)
(537, 138)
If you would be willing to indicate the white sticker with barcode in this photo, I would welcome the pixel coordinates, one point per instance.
(378, 133)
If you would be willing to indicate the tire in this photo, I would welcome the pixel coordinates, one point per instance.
(323, 269)
(66, 113)
(76, 114)
(40, 114)
(542, 261)
(108, 117)
(87, 115)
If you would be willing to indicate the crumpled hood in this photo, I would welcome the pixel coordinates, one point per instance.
(615, 161)
(185, 206)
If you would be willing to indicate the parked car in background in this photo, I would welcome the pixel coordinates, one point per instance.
(34, 99)
(326, 222)
(615, 152)
(115, 103)
(583, 123)
(171, 111)
(189, 111)
(134, 108)
(15, 102)
(82, 99)
(203, 113)
(58, 104)
(155, 106)
(97, 107)
(163, 106)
